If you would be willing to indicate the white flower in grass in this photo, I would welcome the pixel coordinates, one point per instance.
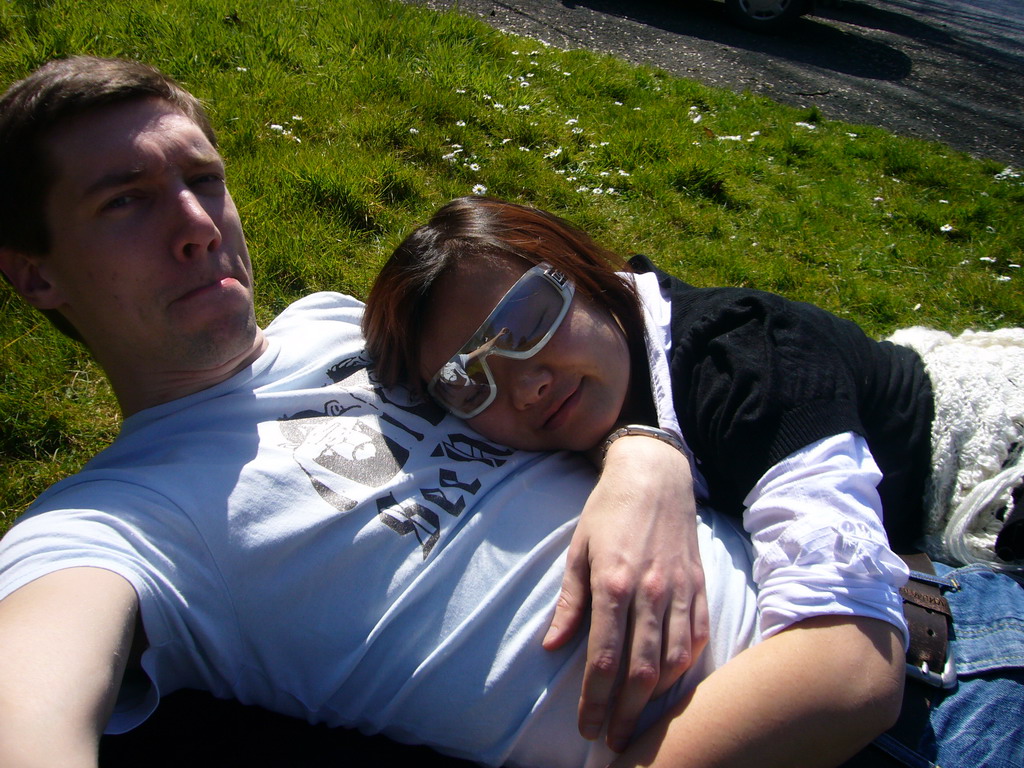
(622, 173)
(553, 153)
(474, 166)
(1007, 173)
(878, 199)
(505, 141)
(567, 74)
(597, 191)
(730, 138)
(808, 126)
(916, 307)
(944, 202)
(460, 123)
(241, 69)
(460, 90)
(617, 103)
(854, 136)
(1013, 266)
(479, 189)
(987, 259)
(577, 131)
(276, 127)
(498, 106)
(414, 131)
(524, 149)
(696, 118)
(524, 107)
(1003, 278)
(571, 121)
(946, 228)
(582, 189)
(297, 117)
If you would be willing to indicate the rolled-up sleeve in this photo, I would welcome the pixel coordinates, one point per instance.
(815, 521)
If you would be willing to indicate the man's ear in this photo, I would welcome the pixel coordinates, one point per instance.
(30, 277)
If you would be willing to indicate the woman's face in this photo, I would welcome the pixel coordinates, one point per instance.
(566, 396)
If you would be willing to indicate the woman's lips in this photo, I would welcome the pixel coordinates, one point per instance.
(564, 410)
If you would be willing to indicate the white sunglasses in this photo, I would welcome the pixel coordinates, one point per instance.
(519, 326)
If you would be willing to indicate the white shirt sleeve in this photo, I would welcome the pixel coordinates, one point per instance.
(815, 522)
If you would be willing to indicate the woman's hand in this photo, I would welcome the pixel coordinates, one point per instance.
(634, 556)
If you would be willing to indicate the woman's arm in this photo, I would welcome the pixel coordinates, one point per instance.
(810, 696)
(634, 556)
(829, 676)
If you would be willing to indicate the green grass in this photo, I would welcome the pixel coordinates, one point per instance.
(345, 124)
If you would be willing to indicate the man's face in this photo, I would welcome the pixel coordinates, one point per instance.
(147, 256)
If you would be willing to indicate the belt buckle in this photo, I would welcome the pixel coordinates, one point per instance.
(945, 679)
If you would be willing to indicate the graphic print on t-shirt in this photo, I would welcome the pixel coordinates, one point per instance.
(361, 437)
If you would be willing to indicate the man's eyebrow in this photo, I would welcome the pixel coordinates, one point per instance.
(114, 179)
(121, 177)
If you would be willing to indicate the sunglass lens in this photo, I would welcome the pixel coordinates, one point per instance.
(462, 385)
(521, 322)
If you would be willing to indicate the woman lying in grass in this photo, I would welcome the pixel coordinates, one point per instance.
(518, 322)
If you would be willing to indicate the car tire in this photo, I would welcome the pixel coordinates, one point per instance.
(771, 17)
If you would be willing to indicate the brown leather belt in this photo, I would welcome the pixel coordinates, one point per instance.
(929, 620)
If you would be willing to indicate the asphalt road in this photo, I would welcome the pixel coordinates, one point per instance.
(945, 70)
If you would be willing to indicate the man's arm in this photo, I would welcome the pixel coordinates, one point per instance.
(64, 643)
(808, 697)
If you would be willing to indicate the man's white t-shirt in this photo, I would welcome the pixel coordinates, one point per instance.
(303, 540)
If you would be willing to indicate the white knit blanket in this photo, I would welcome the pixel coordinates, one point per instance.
(977, 437)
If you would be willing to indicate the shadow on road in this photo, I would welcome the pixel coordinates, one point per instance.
(808, 41)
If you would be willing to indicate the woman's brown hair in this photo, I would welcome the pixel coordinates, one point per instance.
(482, 227)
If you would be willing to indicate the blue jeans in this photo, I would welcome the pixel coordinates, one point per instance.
(977, 724)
